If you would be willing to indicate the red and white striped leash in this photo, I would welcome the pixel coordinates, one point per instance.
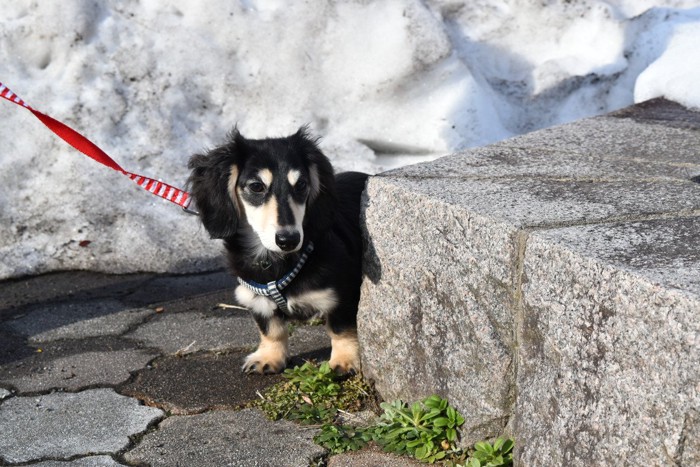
(87, 147)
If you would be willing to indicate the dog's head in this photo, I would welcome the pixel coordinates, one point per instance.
(280, 188)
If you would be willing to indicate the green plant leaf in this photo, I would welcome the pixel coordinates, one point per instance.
(484, 447)
(498, 444)
(440, 422)
(507, 446)
(432, 414)
(415, 443)
(433, 401)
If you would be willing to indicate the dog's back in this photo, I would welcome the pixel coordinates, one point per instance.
(349, 187)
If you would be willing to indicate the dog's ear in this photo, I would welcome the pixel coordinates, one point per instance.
(320, 210)
(212, 184)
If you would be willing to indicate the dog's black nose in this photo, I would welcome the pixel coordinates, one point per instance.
(287, 241)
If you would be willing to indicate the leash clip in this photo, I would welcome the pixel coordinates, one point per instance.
(190, 211)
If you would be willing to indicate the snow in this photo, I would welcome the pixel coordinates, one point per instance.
(385, 83)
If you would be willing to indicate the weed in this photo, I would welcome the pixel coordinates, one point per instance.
(426, 430)
(485, 454)
(312, 394)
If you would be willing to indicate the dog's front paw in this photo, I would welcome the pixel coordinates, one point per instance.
(345, 353)
(265, 361)
(345, 366)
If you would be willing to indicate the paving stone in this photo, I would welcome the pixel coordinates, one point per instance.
(13, 347)
(92, 461)
(77, 320)
(203, 302)
(244, 438)
(64, 425)
(47, 289)
(372, 458)
(197, 382)
(309, 343)
(193, 331)
(173, 288)
(72, 372)
(213, 380)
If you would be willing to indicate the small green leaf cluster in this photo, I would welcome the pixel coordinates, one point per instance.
(341, 438)
(317, 382)
(426, 430)
(498, 454)
(312, 394)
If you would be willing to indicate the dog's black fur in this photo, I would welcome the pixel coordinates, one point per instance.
(330, 220)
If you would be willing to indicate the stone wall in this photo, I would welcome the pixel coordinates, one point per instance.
(549, 286)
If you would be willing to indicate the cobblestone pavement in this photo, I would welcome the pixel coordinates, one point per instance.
(99, 370)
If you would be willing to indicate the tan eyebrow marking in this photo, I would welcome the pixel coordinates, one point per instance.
(265, 176)
(293, 176)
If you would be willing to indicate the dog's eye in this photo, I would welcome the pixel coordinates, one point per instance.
(256, 187)
(300, 186)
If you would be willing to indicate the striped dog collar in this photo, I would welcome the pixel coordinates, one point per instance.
(273, 289)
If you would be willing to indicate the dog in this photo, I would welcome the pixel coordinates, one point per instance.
(291, 229)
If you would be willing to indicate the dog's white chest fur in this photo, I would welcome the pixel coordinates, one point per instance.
(306, 304)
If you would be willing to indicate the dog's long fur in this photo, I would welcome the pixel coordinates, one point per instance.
(267, 199)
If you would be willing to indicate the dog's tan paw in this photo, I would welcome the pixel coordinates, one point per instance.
(271, 356)
(264, 362)
(345, 353)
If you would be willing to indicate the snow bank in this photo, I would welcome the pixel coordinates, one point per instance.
(385, 83)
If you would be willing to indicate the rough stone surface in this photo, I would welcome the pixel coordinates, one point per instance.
(511, 160)
(434, 314)
(608, 371)
(664, 251)
(63, 425)
(559, 267)
(72, 372)
(77, 320)
(244, 438)
(92, 461)
(539, 201)
(656, 141)
(691, 433)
